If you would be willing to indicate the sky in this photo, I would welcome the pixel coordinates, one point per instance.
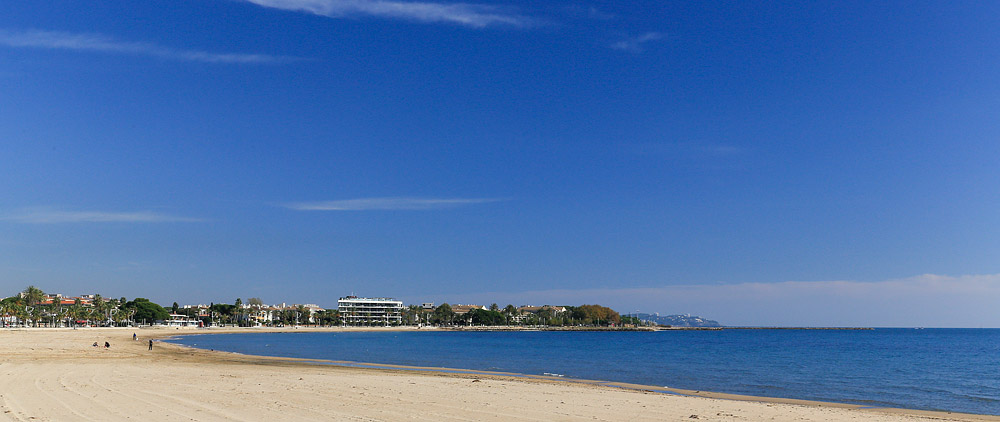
(757, 163)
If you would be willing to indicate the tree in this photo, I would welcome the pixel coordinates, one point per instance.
(595, 314)
(118, 313)
(239, 311)
(76, 311)
(631, 320)
(545, 316)
(147, 311)
(174, 308)
(55, 309)
(11, 309)
(328, 317)
(103, 308)
(287, 316)
(481, 317)
(255, 310)
(33, 296)
(224, 311)
(302, 314)
(34, 313)
(443, 314)
(98, 308)
(510, 311)
(411, 315)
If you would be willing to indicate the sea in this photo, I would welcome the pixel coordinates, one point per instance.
(955, 370)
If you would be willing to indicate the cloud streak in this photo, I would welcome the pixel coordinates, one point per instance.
(46, 216)
(635, 44)
(465, 14)
(387, 204)
(57, 40)
(927, 300)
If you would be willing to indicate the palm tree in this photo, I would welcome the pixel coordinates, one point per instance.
(239, 311)
(413, 314)
(509, 311)
(301, 312)
(33, 295)
(22, 314)
(89, 314)
(6, 309)
(75, 311)
(12, 310)
(444, 314)
(99, 308)
(56, 309)
(34, 313)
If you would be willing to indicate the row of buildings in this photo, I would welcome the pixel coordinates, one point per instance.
(356, 310)
(82, 300)
(258, 314)
(352, 310)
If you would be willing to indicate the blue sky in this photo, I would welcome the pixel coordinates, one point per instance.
(660, 156)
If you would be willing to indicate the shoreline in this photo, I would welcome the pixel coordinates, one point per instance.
(555, 378)
(55, 374)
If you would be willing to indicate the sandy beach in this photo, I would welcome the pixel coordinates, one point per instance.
(56, 375)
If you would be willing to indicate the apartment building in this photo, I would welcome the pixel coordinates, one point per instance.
(370, 310)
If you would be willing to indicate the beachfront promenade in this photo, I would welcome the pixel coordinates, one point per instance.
(56, 374)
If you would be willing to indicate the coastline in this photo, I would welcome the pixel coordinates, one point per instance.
(48, 368)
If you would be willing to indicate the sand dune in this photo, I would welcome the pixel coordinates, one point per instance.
(55, 374)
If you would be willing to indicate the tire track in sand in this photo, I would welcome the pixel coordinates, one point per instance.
(91, 399)
(12, 409)
(137, 395)
(57, 398)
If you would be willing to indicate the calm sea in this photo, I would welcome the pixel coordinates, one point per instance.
(934, 369)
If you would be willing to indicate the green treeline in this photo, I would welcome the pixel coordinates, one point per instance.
(588, 315)
(34, 308)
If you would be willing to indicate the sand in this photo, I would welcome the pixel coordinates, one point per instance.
(55, 374)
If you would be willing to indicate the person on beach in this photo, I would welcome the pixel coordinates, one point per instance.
(95, 344)
(107, 345)
(151, 345)
(134, 337)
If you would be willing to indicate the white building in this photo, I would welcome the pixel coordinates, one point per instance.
(370, 310)
(178, 320)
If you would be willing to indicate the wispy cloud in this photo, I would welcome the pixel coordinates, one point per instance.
(471, 15)
(50, 216)
(95, 42)
(635, 44)
(392, 203)
(694, 155)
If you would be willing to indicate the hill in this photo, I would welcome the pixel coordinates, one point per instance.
(678, 320)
